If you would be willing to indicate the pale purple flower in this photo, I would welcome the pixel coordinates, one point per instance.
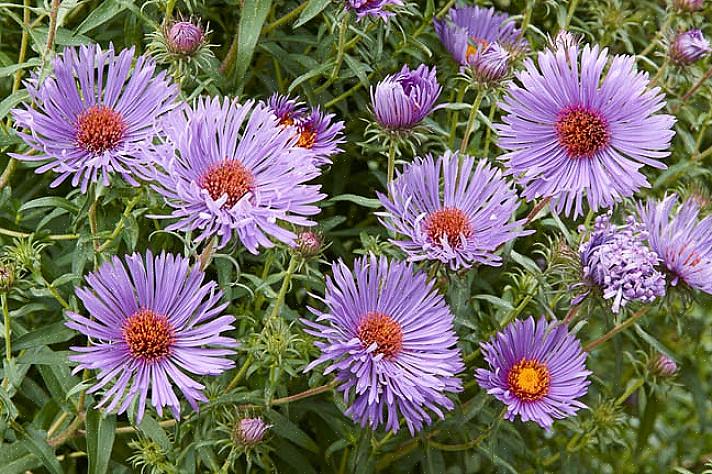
(372, 8)
(93, 115)
(451, 210)
(320, 135)
(491, 65)
(184, 37)
(572, 131)
(683, 242)
(152, 320)
(537, 369)
(688, 47)
(401, 101)
(618, 260)
(230, 169)
(688, 5)
(251, 431)
(288, 110)
(388, 335)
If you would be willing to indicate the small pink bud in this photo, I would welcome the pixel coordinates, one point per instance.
(185, 38)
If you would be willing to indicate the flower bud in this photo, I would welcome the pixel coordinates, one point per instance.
(249, 432)
(491, 65)
(663, 366)
(688, 5)
(689, 47)
(184, 37)
(308, 243)
(7, 277)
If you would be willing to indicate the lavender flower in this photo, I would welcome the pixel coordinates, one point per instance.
(491, 65)
(389, 337)
(455, 213)
(573, 132)
(688, 5)
(372, 8)
(93, 116)
(320, 135)
(184, 37)
(619, 262)
(289, 111)
(250, 431)
(467, 31)
(403, 100)
(663, 366)
(688, 47)
(151, 321)
(229, 168)
(683, 242)
(537, 369)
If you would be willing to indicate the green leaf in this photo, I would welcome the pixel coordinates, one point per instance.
(44, 357)
(360, 200)
(16, 458)
(313, 8)
(39, 447)
(50, 201)
(10, 70)
(288, 430)
(100, 440)
(11, 101)
(150, 427)
(50, 334)
(107, 10)
(254, 13)
(496, 301)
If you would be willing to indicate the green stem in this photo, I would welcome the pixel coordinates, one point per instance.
(121, 224)
(471, 120)
(305, 394)
(658, 75)
(21, 235)
(570, 15)
(6, 322)
(52, 26)
(391, 162)
(616, 329)
(445, 8)
(630, 391)
(527, 16)
(265, 273)
(488, 134)
(343, 27)
(517, 311)
(241, 373)
(694, 88)
(285, 18)
(293, 262)
(455, 117)
(661, 32)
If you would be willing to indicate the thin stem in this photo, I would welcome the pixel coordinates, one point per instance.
(471, 120)
(570, 15)
(8, 331)
(445, 8)
(343, 27)
(658, 75)
(571, 314)
(391, 163)
(662, 31)
(618, 328)
(241, 373)
(694, 88)
(305, 394)
(293, 263)
(15, 233)
(265, 273)
(67, 434)
(488, 134)
(537, 208)
(343, 96)
(92, 222)
(455, 116)
(121, 224)
(527, 16)
(52, 26)
(517, 311)
(630, 391)
(284, 18)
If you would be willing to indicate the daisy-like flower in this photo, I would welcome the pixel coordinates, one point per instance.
(151, 321)
(468, 31)
(403, 100)
(93, 116)
(229, 168)
(683, 242)
(372, 8)
(456, 213)
(537, 369)
(389, 337)
(572, 131)
(289, 111)
(688, 47)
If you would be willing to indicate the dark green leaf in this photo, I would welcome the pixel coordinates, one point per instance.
(37, 443)
(254, 13)
(100, 440)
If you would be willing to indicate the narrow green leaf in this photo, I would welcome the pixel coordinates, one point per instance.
(50, 201)
(39, 447)
(150, 427)
(44, 357)
(100, 440)
(360, 200)
(254, 13)
(16, 458)
(288, 430)
(107, 10)
(313, 8)
(50, 334)
(10, 70)
(11, 101)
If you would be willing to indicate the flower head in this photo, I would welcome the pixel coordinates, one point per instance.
(93, 116)
(403, 100)
(151, 321)
(229, 168)
(663, 366)
(456, 213)
(372, 8)
(289, 111)
(468, 31)
(491, 65)
(683, 242)
(250, 431)
(537, 369)
(618, 261)
(389, 337)
(308, 243)
(689, 5)
(184, 37)
(319, 135)
(572, 132)
(688, 47)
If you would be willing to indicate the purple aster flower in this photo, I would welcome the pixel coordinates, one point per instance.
(537, 369)
(289, 111)
(389, 337)
(572, 131)
(403, 100)
(683, 242)
(152, 320)
(491, 65)
(372, 8)
(466, 31)
(663, 366)
(229, 168)
(320, 135)
(451, 210)
(688, 47)
(688, 5)
(618, 261)
(184, 37)
(93, 116)
(250, 431)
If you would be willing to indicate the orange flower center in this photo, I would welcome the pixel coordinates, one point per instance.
(582, 132)
(227, 177)
(450, 223)
(529, 380)
(382, 330)
(476, 45)
(99, 129)
(307, 137)
(149, 335)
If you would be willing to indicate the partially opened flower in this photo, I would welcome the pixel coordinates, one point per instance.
(320, 135)
(491, 65)
(537, 369)
(152, 321)
(372, 8)
(401, 101)
(688, 47)
(388, 335)
(249, 432)
(288, 110)
(663, 366)
(681, 239)
(573, 132)
(93, 115)
(451, 210)
(230, 169)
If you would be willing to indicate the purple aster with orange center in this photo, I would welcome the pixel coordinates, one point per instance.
(93, 115)
(451, 210)
(537, 369)
(681, 239)
(572, 132)
(230, 169)
(288, 110)
(152, 321)
(388, 335)
(372, 8)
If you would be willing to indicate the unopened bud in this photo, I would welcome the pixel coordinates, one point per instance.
(664, 366)
(184, 37)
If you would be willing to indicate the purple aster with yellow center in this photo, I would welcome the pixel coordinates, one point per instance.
(537, 369)
(152, 321)
(372, 8)
(230, 169)
(688, 47)
(93, 115)
(451, 210)
(572, 132)
(681, 239)
(388, 335)
(401, 101)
